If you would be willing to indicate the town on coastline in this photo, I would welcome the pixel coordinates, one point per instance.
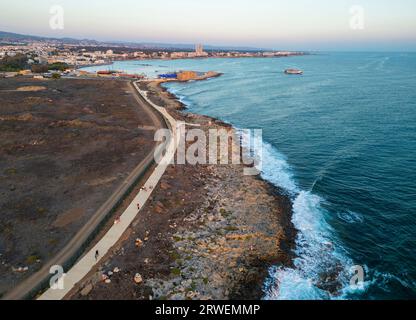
(169, 250)
(47, 59)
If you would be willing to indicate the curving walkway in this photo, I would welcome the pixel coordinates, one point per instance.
(89, 261)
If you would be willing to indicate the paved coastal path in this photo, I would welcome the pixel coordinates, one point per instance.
(81, 268)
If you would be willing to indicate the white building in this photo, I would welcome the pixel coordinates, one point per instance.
(199, 51)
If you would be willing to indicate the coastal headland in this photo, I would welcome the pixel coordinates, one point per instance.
(207, 232)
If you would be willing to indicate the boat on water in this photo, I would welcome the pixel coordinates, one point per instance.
(293, 71)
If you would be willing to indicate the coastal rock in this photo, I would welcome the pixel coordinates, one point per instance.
(138, 243)
(138, 278)
(159, 207)
(164, 186)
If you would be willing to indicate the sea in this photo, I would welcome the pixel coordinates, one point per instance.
(340, 141)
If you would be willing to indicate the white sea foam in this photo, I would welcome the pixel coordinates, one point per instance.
(277, 170)
(289, 284)
(317, 251)
(351, 217)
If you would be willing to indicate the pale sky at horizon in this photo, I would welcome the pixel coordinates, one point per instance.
(293, 25)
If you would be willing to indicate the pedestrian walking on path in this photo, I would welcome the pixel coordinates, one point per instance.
(97, 254)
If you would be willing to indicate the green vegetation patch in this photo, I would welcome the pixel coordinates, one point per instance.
(176, 271)
(14, 64)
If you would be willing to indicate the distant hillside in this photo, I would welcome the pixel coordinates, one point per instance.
(7, 37)
(13, 37)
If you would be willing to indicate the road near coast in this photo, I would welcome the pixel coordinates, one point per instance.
(30, 286)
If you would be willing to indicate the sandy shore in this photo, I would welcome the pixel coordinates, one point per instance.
(208, 232)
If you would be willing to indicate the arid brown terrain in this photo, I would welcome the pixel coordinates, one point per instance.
(207, 232)
(65, 146)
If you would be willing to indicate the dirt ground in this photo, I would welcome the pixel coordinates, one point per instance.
(207, 232)
(63, 150)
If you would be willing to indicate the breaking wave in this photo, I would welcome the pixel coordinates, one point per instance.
(321, 266)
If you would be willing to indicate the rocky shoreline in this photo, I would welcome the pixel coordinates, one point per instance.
(208, 232)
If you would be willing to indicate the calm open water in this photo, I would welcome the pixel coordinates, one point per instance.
(341, 141)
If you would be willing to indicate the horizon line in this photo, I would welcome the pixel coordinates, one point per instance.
(237, 47)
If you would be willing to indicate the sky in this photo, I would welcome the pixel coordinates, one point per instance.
(318, 25)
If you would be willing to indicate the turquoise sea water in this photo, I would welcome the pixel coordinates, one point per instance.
(341, 141)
